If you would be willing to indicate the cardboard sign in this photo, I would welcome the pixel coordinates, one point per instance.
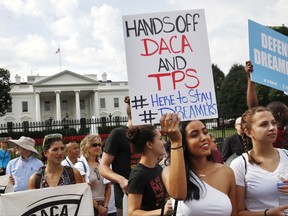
(269, 56)
(74, 200)
(169, 66)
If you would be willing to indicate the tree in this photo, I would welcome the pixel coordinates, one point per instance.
(267, 94)
(5, 98)
(281, 29)
(218, 77)
(232, 100)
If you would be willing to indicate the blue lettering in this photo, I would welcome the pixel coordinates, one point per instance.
(163, 100)
(200, 97)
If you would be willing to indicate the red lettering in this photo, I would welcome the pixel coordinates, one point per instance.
(152, 46)
(163, 46)
(178, 76)
(174, 80)
(158, 78)
(185, 43)
(172, 46)
(192, 76)
(145, 43)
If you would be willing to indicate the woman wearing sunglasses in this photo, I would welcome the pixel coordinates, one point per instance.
(90, 148)
(53, 174)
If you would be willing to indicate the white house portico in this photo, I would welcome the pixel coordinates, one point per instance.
(66, 95)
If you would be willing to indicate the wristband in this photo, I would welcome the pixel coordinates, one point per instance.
(176, 147)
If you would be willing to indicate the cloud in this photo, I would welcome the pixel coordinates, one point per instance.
(91, 37)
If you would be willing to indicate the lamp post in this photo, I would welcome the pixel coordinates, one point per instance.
(110, 118)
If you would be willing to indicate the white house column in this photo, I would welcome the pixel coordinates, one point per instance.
(77, 102)
(96, 104)
(37, 106)
(58, 106)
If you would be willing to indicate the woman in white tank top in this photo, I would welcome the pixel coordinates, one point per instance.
(210, 185)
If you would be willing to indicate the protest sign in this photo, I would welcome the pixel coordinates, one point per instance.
(269, 55)
(169, 66)
(5, 186)
(72, 200)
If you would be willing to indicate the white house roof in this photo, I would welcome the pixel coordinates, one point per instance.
(66, 78)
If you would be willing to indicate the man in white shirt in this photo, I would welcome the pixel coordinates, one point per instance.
(72, 154)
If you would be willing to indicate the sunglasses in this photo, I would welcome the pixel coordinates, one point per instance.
(52, 136)
(56, 135)
(96, 145)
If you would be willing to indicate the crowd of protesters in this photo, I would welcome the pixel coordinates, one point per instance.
(173, 170)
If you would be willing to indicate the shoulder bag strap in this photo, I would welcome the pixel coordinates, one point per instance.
(175, 208)
(70, 174)
(245, 163)
(68, 162)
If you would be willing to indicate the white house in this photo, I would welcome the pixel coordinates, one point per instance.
(65, 95)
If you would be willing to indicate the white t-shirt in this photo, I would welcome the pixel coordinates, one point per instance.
(261, 185)
(83, 167)
(67, 162)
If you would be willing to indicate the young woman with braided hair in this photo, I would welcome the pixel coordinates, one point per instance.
(256, 171)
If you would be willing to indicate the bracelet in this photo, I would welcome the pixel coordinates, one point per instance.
(176, 147)
(265, 212)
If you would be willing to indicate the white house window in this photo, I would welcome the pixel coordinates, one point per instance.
(82, 104)
(116, 102)
(10, 127)
(24, 106)
(102, 103)
(65, 105)
(47, 106)
(9, 108)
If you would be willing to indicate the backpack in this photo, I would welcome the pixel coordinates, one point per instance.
(68, 169)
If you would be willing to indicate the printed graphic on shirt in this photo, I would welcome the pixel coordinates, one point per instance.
(157, 187)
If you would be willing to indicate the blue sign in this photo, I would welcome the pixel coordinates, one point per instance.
(269, 56)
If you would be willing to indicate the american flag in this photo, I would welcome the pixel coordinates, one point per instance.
(58, 50)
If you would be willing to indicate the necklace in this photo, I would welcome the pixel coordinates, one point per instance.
(202, 175)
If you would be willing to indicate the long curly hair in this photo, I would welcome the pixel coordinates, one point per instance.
(86, 142)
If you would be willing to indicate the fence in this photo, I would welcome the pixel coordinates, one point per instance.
(76, 130)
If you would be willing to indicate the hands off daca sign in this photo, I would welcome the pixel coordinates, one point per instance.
(269, 56)
(169, 66)
(70, 200)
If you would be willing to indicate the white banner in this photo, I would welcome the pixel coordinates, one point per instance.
(5, 186)
(70, 200)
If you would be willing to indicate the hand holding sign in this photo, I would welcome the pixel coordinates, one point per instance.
(170, 126)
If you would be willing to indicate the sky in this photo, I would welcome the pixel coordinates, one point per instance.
(90, 33)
